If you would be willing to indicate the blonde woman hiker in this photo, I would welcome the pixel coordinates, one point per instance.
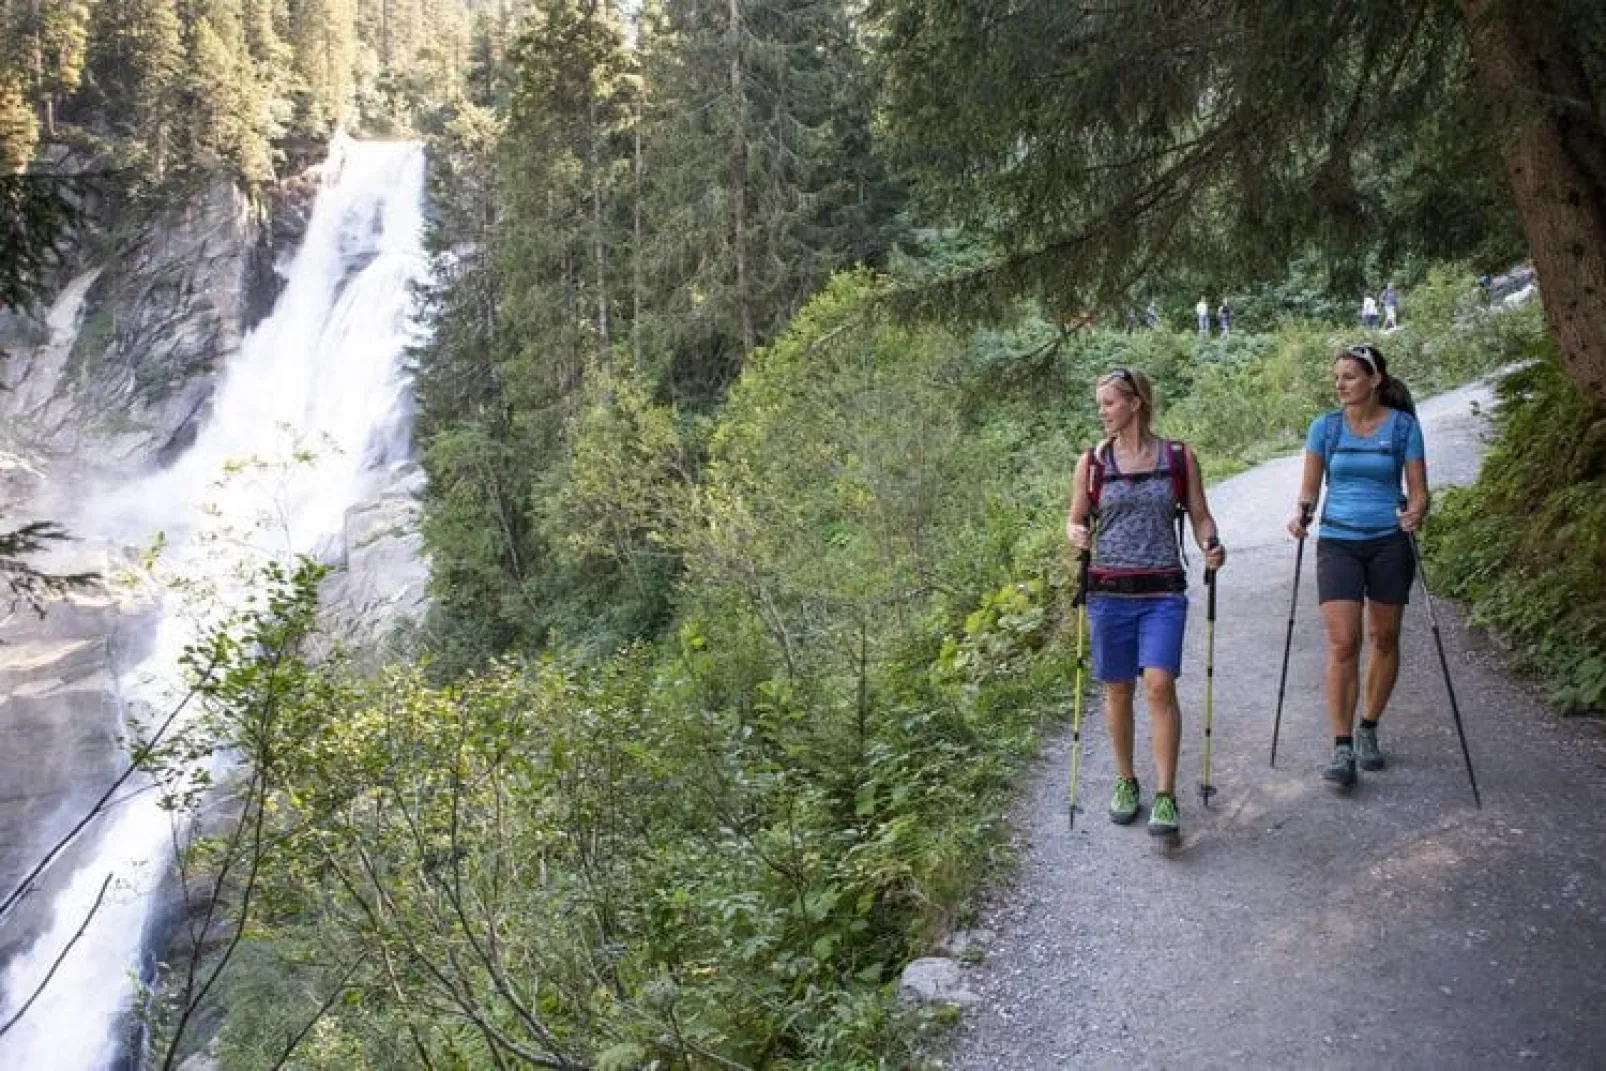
(1127, 493)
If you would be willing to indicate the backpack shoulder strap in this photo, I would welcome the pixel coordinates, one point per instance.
(1403, 423)
(1177, 460)
(1095, 479)
(1332, 427)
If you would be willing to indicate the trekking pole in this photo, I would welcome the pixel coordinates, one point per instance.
(1306, 511)
(1079, 600)
(1444, 664)
(1206, 789)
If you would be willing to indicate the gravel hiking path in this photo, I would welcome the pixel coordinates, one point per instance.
(1294, 926)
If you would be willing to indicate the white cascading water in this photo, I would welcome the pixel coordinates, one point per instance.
(323, 373)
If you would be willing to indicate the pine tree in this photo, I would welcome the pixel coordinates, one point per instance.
(323, 36)
(221, 97)
(757, 180)
(19, 129)
(265, 24)
(565, 164)
(136, 57)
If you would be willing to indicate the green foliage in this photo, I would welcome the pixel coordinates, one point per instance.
(26, 583)
(1526, 544)
(223, 102)
(614, 499)
(612, 247)
(1224, 164)
(721, 848)
(155, 87)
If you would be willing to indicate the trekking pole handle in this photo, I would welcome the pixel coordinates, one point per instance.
(1210, 576)
(1307, 511)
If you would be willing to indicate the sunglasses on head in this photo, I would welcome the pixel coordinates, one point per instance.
(1364, 352)
(1123, 374)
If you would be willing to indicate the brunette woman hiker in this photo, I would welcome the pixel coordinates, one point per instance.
(1364, 559)
(1126, 495)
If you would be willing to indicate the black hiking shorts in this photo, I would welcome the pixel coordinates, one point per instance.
(1354, 570)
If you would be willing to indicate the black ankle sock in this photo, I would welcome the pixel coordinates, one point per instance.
(1368, 724)
(1343, 741)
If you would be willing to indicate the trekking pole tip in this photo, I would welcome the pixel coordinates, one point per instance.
(1205, 792)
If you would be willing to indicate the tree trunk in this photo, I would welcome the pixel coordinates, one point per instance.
(1555, 155)
(636, 255)
(599, 247)
(386, 57)
(739, 179)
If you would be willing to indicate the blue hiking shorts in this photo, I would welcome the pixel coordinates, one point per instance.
(1131, 634)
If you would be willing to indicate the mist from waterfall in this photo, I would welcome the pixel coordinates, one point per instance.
(307, 416)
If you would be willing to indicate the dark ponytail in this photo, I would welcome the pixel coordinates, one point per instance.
(1395, 395)
(1391, 392)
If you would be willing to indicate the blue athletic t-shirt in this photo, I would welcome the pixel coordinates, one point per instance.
(1363, 492)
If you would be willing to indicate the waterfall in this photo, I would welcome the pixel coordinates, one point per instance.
(320, 380)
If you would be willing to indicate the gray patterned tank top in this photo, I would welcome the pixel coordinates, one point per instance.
(1136, 522)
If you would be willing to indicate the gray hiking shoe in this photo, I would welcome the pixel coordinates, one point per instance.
(1163, 815)
(1124, 804)
(1366, 749)
(1341, 770)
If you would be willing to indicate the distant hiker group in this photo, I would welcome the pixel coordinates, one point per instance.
(1201, 314)
(1378, 309)
(1389, 302)
(1131, 488)
(1153, 320)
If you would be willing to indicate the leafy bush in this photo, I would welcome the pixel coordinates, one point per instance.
(1526, 544)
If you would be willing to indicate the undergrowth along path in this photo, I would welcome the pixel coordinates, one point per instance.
(1395, 926)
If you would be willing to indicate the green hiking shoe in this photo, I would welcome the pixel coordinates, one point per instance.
(1163, 815)
(1367, 753)
(1124, 804)
(1341, 769)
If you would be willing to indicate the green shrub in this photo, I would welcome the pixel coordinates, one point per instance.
(1526, 544)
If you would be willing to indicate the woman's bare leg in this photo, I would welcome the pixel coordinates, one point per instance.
(1343, 621)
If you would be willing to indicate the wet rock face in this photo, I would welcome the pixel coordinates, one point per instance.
(62, 733)
(286, 224)
(381, 573)
(154, 327)
(124, 365)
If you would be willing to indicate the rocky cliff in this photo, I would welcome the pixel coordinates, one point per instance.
(124, 362)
